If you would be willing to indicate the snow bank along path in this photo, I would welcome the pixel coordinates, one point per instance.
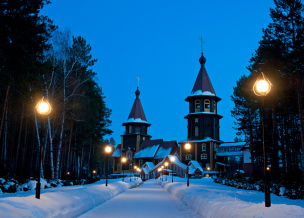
(148, 200)
(211, 199)
(65, 202)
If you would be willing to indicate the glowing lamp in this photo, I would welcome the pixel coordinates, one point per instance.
(172, 158)
(135, 167)
(43, 107)
(94, 171)
(166, 164)
(208, 168)
(188, 146)
(124, 159)
(262, 86)
(108, 149)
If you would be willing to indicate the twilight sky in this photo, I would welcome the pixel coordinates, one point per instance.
(159, 42)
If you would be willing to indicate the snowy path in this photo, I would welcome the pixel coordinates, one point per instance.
(146, 200)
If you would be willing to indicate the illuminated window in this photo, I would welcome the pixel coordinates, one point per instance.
(196, 131)
(130, 129)
(196, 120)
(204, 147)
(197, 106)
(207, 105)
(214, 107)
(204, 156)
(118, 167)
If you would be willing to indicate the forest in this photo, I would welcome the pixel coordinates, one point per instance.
(38, 60)
(280, 56)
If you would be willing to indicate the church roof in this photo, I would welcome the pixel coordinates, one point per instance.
(203, 84)
(150, 143)
(137, 112)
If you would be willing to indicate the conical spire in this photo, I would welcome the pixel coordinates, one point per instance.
(137, 111)
(203, 82)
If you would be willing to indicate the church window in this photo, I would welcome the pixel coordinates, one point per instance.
(118, 167)
(140, 163)
(130, 129)
(196, 131)
(204, 147)
(197, 106)
(144, 138)
(214, 107)
(196, 120)
(207, 105)
(188, 157)
(204, 156)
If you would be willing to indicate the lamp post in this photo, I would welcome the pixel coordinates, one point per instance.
(130, 166)
(138, 172)
(43, 108)
(123, 160)
(172, 160)
(166, 164)
(162, 167)
(108, 151)
(187, 147)
(261, 88)
(134, 168)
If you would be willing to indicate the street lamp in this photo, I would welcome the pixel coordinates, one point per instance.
(108, 151)
(43, 108)
(261, 88)
(130, 166)
(187, 147)
(166, 164)
(172, 160)
(134, 168)
(123, 171)
(138, 172)
(162, 168)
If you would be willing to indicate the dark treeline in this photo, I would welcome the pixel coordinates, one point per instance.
(37, 59)
(280, 56)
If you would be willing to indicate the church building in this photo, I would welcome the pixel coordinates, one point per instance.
(203, 122)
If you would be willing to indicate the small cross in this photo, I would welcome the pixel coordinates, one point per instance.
(201, 42)
(137, 81)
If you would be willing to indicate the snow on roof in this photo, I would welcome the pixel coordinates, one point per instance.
(232, 144)
(162, 153)
(145, 170)
(147, 152)
(149, 165)
(199, 92)
(234, 153)
(207, 139)
(137, 120)
(116, 153)
(196, 165)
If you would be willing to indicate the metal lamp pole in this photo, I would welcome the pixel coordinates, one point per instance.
(108, 150)
(43, 108)
(261, 88)
(188, 146)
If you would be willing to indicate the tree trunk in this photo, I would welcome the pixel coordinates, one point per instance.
(301, 120)
(69, 147)
(4, 108)
(275, 163)
(19, 138)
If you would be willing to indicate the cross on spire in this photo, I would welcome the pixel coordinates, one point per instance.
(201, 42)
(137, 81)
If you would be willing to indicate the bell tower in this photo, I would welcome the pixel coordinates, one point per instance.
(203, 121)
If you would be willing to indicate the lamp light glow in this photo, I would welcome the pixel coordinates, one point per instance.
(124, 159)
(172, 158)
(262, 86)
(166, 163)
(108, 149)
(43, 107)
(187, 146)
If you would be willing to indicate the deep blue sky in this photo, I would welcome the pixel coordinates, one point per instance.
(159, 42)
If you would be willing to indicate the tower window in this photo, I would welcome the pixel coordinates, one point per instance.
(214, 107)
(130, 129)
(207, 105)
(140, 163)
(196, 120)
(204, 156)
(188, 157)
(196, 131)
(118, 167)
(204, 147)
(197, 106)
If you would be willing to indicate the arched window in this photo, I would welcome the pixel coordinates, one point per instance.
(207, 105)
(118, 167)
(197, 106)
(214, 107)
(140, 163)
(188, 157)
(196, 120)
(203, 147)
(196, 131)
(204, 156)
(130, 129)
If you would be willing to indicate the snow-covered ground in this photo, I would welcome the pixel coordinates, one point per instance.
(69, 201)
(211, 199)
(148, 200)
